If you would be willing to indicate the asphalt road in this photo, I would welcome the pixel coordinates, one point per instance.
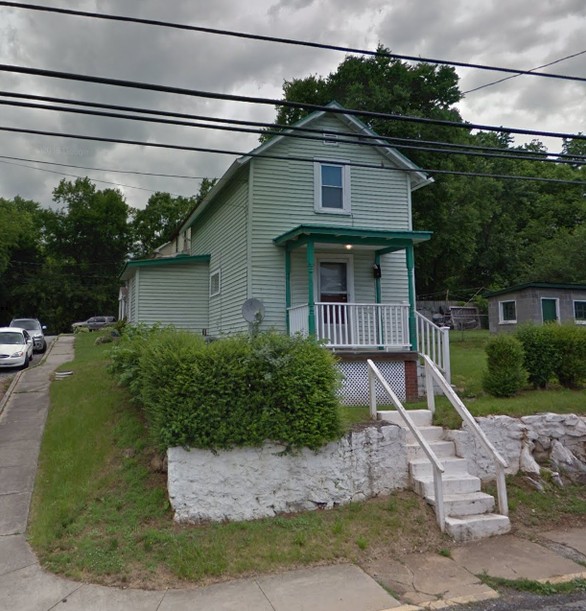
(529, 602)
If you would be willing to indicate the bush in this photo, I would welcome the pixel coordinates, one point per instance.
(505, 375)
(570, 343)
(541, 353)
(238, 391)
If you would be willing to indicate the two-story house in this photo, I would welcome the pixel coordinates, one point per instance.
(319, 229)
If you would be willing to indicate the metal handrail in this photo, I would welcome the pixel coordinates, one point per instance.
(433, 374)
(438, 468)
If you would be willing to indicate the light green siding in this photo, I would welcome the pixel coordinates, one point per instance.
(174, 295)
(394, 283)
(284, 198)
(221, 231)
(132, 299)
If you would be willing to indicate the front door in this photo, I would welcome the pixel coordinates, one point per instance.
(549, 310)
(334, 287)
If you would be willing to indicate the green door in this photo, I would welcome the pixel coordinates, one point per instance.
(549, 310)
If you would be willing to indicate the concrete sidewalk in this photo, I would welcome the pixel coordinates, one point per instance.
(417, 581)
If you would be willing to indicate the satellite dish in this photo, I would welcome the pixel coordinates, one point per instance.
(253, 310)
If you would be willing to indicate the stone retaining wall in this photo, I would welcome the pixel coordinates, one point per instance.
(511, 435)
(249, 483)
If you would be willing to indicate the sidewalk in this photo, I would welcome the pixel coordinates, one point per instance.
(417, 581)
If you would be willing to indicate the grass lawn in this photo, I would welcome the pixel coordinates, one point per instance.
(101, 514)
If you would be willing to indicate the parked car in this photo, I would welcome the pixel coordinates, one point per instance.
(94, 323)
(16, 347)
(35, 329)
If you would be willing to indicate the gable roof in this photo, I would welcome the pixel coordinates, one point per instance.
(537, 285)
(418, 177)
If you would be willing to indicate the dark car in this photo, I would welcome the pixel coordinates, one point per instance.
(35, 329)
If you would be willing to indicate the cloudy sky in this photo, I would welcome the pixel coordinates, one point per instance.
(520, 34)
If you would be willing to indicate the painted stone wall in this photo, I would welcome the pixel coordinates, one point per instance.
(250, 483)
(512, 436)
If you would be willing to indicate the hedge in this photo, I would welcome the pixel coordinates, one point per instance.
(505, 376)
(238, 391)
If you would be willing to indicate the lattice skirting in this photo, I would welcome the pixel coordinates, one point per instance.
(355, 381)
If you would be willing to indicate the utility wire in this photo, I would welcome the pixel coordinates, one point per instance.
(455, 150)
(274, 102)
(107, 170)
(286, 157)
(288, 41)
(108, 182)
(389, 140)
(532, 70)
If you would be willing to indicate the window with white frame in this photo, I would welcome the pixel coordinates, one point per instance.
(215, 283)
(332, 188)
(507, 311)
(580, 312)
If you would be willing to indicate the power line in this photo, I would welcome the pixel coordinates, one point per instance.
(108, 182)
(390, 140)
(107, 170)
(274, 102)
(180, 147)
(287, 41)
(532, 70)
(375, 141)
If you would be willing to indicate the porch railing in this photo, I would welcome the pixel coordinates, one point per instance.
(434, 342)
(355, 325)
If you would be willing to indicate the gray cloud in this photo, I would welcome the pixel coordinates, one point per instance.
(518, 34)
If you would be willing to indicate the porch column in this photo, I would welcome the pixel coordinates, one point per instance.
(411, 280)
(310, 295)
(377, 288)
(287, 286)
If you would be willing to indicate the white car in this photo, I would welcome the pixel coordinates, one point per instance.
(16, 347)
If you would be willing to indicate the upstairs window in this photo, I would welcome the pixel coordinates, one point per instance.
(580, 312)
(332, 188)
(508, 311)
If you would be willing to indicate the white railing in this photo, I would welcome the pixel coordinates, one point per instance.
(356, 325)
(433, 374)
(438, 486)
(299, 320)
(434, 342)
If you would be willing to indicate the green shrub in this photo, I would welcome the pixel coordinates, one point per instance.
(570, 342)
(541, 353)
(505, 375)
(238, 391)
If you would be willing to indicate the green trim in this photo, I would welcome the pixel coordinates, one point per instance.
(310, 294)
(177, 260)
(287, 287)
(391, 240)
(537, 285)
(410, 259)
(377, 286)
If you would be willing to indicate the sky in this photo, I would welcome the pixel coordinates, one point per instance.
(521, 34)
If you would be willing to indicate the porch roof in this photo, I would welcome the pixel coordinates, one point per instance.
(180, 259)
(387, 241)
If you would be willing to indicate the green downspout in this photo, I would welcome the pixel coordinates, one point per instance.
(287, 286)
(412, 325)
(377, 286)
(378, 294)
(310, 295)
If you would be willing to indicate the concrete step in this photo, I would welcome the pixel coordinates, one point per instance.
(421, 417)
(441, 449)
(460, 483)
(429, 433)
(474, 527)
(453, 465)
(472, 503)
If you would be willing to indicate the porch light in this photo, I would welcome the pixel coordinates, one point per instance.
(348, 246)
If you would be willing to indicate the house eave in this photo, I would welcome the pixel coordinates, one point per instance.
(181, 259)
(386, 241)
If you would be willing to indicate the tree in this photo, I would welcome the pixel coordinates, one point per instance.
(156, 223)
(88, 240)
